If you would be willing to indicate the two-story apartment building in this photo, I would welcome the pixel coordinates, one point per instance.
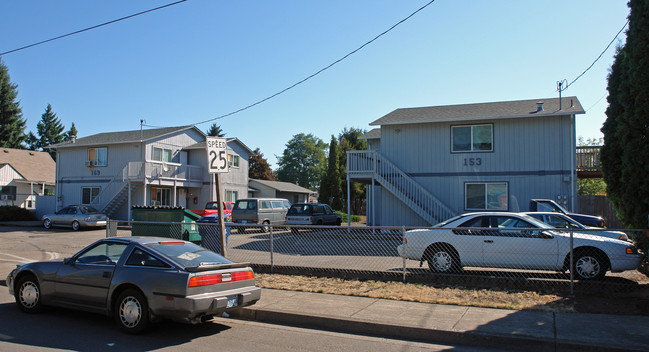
(425, 165)
(160, 167)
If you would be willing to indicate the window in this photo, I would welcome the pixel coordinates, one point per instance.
(486, 196)
(160, 196)
(88, 194)
(140, 258)
(476, 138)
(231, 196)
(7, 192)
(233, 160)
(265, 204)
(103, 253)
(160, 154)
(97, 156)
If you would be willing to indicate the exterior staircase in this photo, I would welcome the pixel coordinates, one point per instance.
(117, 193)
(369, 163)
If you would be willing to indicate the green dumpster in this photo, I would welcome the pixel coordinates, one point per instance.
(170, 222)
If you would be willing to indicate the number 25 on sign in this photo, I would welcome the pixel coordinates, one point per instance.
(217, 155)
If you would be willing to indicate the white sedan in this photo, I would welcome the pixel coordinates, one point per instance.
(516, 241)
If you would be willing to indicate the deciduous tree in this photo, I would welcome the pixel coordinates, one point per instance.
(303, 161)
(258, 167)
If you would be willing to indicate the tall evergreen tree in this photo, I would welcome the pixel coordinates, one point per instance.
(302, 161)
(258, 167)
(50, 131)
(330, 189)
(349, 139)
(215, 131)
(626, 130)
(71, 133)
(12, 125)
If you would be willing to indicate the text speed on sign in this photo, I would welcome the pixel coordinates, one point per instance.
(217, 155)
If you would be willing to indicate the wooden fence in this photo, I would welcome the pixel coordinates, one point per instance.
(599, 205)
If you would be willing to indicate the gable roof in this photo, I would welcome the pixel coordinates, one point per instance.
(374, 133)
(31, 165)
(482, 111)
(283, 186)
(202, 145)
(134, 136)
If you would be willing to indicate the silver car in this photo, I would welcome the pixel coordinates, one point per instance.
(562, 221)
(137, 280)
(77, 216)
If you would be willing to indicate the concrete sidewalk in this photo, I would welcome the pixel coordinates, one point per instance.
(436, 323)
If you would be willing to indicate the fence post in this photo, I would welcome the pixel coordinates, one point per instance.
(403, 256)
(272, 264)
(572, 265)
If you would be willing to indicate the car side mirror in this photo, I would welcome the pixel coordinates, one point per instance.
(68, 261)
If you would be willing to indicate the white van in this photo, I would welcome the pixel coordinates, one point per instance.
(266, 211)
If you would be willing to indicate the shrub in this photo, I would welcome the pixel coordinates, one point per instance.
(13, 213)
(355, 218)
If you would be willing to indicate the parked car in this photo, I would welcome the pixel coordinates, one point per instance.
(214, 218)
(516, 241)
(562, 221)
(266, 211)
(213, 208)
(77, 216)
(137, 280)
(312, 214)
(544, 205)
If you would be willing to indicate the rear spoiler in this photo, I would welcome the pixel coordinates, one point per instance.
(216, 266)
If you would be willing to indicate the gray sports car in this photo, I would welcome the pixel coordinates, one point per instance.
(137, 280)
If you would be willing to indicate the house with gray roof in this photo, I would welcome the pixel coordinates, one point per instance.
(24, 175)
(278, 189)
(149, 167)
(424, 165)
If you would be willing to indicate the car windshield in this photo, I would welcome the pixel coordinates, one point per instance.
(188, 254)
(300, 209)
(535, 222)
(89, 210)
(441, 224)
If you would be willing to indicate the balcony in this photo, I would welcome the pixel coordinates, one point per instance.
(588, 165)
(161, 173)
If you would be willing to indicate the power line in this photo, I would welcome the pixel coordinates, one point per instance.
(93, 27)
(599, 57)
(318, 72)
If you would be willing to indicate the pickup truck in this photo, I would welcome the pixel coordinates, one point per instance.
(213, 208)
(548, 205)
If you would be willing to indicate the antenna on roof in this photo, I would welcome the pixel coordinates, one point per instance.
(142, 122)
(561, 86)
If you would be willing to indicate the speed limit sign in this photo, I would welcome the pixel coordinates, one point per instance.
(217, 155)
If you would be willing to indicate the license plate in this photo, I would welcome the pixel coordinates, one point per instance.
(232, 302)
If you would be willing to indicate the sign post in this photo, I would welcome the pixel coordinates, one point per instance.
(217, 163)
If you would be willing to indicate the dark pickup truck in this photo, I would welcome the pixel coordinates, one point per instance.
(550, 205)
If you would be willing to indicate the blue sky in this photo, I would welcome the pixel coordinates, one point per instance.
(202, 59)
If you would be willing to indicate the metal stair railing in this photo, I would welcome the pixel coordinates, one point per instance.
(391, 177)
(112, 190)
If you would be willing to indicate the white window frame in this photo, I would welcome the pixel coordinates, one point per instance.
(97, 161)
(472, 148)
(92, 198)
(163, 152)
(159, 196)
(233, 160)
(231, 196)
(486, 196)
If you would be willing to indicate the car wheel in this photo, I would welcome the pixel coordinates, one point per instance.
(132, 312)
(339, 222)
(265, 227)
(590, 266)
(28, 294)
(76, 225)
(442, 259)
(47, 223)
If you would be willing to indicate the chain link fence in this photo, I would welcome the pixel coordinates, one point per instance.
(503, 258)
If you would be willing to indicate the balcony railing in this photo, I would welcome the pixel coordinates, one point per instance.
(588, 164)
(138, 170)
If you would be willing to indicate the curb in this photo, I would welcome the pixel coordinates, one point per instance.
(351, 326)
